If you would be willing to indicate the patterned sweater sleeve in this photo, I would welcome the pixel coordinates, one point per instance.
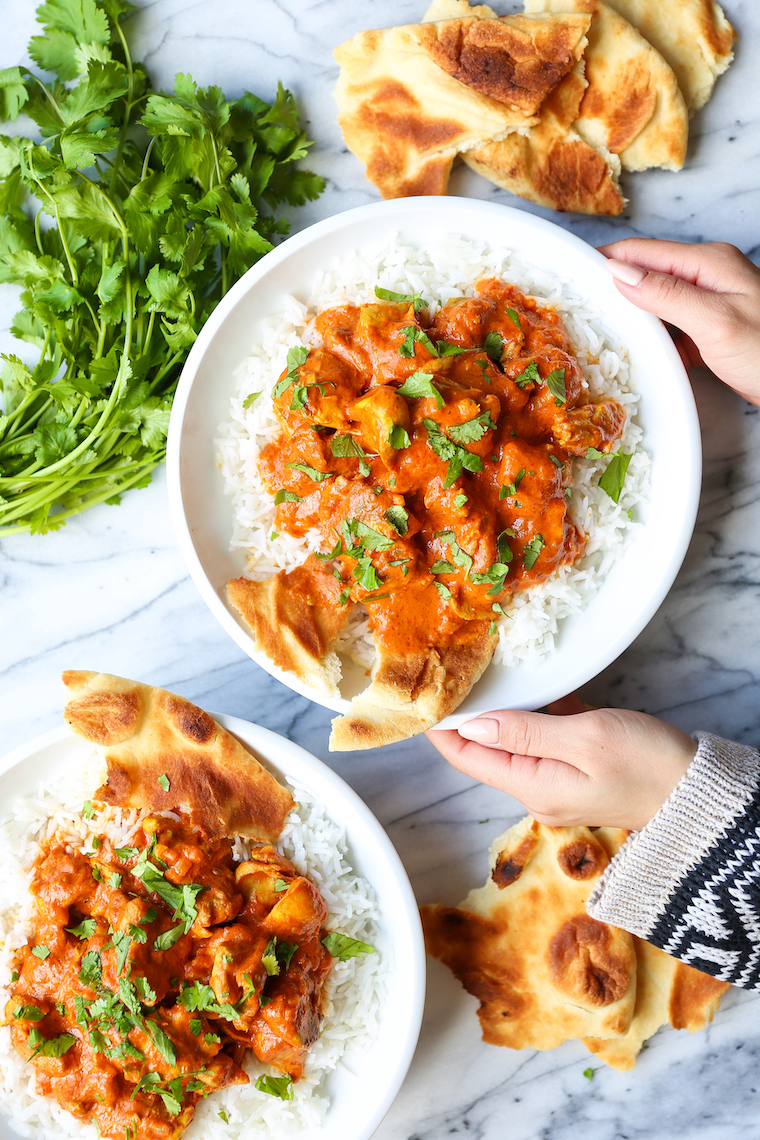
(689, 882)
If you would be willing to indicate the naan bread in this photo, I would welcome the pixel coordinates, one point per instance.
(147, 733)
(411, 97)
(295, 617)
(693, 36)
(523, 944)
(551, 165)
(667, 991)
(633, 106)
(410, 694)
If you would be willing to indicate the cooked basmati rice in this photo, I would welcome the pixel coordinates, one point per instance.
(440, 272)
(353, 993)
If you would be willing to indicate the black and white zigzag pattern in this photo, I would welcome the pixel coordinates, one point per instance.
(712, 919)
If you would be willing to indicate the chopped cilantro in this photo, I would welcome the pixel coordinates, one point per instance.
(276, 1086)
(593, 453)
(530, 375)
(50, 1046)
(313, 474)
(398, 518)
(125, 852)
(503, 547)
(494, 576)
(169, 937)
(443, 568)
(249, 400)
(85, 929)
(420, 386)
(28, 1013)
(401, 298)
(532, 551)
(589, 1074)
(614, 477)
(296, 357)
(492, 629)
(269, 958)
(41, 952)
(555, 382)
(283, 496)
(460, 500)
(514, 318)
(472, 430)
(223, 1116)
(411, 335)
(181, 897)
(452, 453)
(556, 460)
(343, 947)
(114, 879)
(443, 590)
(493, 346)
(195, 1026)
(280, 885)
(162, 1042)
(398, 438)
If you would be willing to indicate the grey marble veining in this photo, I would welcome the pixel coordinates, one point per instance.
(110, 592)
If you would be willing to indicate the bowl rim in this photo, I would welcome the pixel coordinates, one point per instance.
(301, 766)
(385, 209)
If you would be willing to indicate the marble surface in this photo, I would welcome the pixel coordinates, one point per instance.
(110, 592)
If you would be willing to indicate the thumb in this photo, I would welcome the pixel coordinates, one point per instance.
(670, 298)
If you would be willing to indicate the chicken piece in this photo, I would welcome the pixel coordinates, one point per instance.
(377, 414)
(330, 385)
(262, 879)
(288, 1024)
(298, 913)
(591, 425)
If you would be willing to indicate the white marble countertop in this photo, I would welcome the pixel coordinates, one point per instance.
(110, 592)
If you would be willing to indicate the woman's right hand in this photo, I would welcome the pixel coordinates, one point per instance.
(710, 291)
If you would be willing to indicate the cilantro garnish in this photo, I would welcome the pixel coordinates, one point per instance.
(343, 947)
(420, 386)
(530, 375)
(472, 430)
(555, 382)
(276, 1086)
(283, 496)
(508, 489)
(249, 400)
(163, 1043)
(169, 937)
(461, 557)
(613, 478)
(85, 929)
(494, 576)
(401, 298)
(556, 460)
(163, 782)
(398, 437)
(398, 517)
(343, 446)
(313, 474)
(49, 1046)
(28, 1013)
(460, 500)
(195, 1026)
(280, 885)
(452, 453)
(179, 896)
(514, 318)
(503, 547)
(158, 204)
(492, 628)
(532, 551)
(412, 335)
(125, 852)
(443, 590)
(88, 811)
(41, 952)
(443, 568)
(493, 346)
(114, 879)
(593, 453)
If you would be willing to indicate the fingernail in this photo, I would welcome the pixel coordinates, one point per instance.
(625, 272)
(485, 730)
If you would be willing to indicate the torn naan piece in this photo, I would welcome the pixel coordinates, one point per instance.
(411, 97)
(295, 618)
(633, 106)
(412, 692)
(163, 753)
(524, 945)
(693, 36)
(551, 164)
(668, 992)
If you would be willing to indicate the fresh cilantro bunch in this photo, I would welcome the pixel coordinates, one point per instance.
(124, 227)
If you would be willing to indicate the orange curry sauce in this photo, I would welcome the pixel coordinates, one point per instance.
(436, 476)
(153, 967)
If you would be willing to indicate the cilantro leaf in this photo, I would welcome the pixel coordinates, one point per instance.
(276, 1086)
(305, 469)
(85, 929)
(163, 781)
(397, 437)
(401, 298)
(555, 382)
(28, 1013)
(398, 517)
(420, 386)
(50, 1046)
(166, 940)
(343, 947)
(493, 346)
(532, 551)
(514, 318)
(594, 453)
(472, 430)
(614, 477)
(41, 952)
(530, 375)
(162, 1041)
(413, 335)
(283, 496)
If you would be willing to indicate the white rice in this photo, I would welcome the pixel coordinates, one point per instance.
(448, 269)
(353, 994)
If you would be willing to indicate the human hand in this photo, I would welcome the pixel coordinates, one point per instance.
(608, 767)
(711, 292)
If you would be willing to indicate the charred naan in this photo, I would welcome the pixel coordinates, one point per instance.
(524, 945)
(162, 752)
(411, 97)
(551, 164)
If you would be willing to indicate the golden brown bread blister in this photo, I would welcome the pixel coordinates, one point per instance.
(411, 97)
(295, 618)
(668, 992)
(693, 36)
(147, 733)
(551, 164)
(410, 694)
(633, 105)
(523, 944)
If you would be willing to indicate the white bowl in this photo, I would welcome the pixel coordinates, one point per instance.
(639, 581)
(363, 1090)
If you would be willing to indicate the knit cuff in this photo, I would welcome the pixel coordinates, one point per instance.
(717, 789)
